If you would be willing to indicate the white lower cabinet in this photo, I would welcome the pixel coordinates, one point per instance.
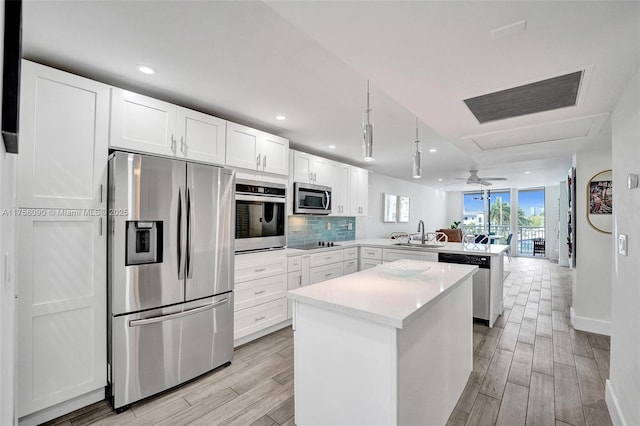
(260, 300)
(349, 266)
(370, 257)
(252, 320)
(389, 255)
(325, 272)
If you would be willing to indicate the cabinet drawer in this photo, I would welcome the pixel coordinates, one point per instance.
(326, 258)
(250, 266)
(371, 253)
(350, 253)
(326, 272)
(369, 263)
(254, 319)
(350, 266)
(255, 292)
(391, 255)
(294, 263)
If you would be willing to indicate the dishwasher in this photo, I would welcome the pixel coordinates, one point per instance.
(481, 281)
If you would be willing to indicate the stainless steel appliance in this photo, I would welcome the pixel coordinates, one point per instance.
(260, 215)
(311, 199)
(170, 273)
(481, 280)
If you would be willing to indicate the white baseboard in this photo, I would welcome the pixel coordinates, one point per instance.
(589, 324)
(62, 408)
(613, 406)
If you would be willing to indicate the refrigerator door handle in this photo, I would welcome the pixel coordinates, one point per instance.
(190, 224)
(181, 237)
(161, 318)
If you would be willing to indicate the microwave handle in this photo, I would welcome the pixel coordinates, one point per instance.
(328, 194)
(261, 199)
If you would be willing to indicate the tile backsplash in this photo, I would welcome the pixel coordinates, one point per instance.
(311, 229)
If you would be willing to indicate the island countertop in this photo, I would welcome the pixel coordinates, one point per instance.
(379, 297)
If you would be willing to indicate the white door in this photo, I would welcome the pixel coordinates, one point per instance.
(201, 136)
(359, 186)
(275, 154)
(321, 168)
(64, 129)
(61, 309)
(340, 189)
(142, 124)
(242, 147)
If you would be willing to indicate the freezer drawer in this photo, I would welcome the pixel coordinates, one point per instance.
(158, 349)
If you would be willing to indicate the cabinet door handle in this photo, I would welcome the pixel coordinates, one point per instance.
(259, 318)
(299, 280)
(173, 143)
(100, 227)
(260, 270)
(264, 162)
(182, 144)
(100, 195)
(328, 274)
(258, 161)
(255, 293)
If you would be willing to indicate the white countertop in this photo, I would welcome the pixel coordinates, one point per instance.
(375, 296)
(491, 250)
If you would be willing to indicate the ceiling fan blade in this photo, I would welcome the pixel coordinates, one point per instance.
(494, 178)
(485, 182)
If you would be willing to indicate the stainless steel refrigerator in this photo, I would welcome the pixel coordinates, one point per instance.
(171, 248)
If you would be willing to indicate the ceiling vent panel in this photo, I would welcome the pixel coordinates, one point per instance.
(544, 95)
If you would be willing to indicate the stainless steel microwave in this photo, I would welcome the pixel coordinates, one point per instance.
(311, 199)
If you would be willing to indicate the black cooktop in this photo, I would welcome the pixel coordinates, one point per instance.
(319, 244)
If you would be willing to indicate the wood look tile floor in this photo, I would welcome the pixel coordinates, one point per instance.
(531, 368)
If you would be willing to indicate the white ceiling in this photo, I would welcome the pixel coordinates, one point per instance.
(249, 61)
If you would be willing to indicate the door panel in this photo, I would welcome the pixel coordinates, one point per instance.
(147, 189)
(202, 137)
(211, 230)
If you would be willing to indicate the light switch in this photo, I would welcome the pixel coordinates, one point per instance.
(350, 226)
(622, 244)
(329, 226)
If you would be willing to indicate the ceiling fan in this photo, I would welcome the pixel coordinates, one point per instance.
(474, 179)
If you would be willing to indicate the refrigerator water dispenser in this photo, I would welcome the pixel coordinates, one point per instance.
(144, 242)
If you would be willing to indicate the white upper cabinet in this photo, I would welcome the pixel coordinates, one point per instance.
(201, 136)
(64, 128)
(309, 168)
(253, 149)
(359, 186)
(143, 124)
(340, 190)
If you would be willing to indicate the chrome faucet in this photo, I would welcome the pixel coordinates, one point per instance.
(421, 226)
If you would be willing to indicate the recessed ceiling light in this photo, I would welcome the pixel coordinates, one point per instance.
(527, 173)
(145, 69)
(439, 179)
(281, 117)
(432, 150)
(332, 147)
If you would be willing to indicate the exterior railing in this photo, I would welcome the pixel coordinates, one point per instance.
(531, 239)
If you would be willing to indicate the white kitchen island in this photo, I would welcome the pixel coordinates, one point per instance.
(374, 349)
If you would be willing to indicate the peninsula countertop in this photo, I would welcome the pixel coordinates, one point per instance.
(490, 250)
(377, 296)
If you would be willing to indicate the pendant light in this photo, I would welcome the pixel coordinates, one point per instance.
(367, 143)
(417, 156)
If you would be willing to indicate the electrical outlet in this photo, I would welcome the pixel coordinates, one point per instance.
(329, 226)
(350, 226)
(622, 244)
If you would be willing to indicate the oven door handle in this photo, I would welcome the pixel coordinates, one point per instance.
(260, 199)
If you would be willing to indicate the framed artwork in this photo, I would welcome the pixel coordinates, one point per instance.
(403, 209)
(600, 201)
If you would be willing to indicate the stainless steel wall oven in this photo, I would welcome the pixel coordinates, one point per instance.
(260, 215)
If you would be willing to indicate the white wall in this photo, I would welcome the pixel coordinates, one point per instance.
(455, 207)
(7, 273)
(591, 310)
(427, 204)
(623, 387)
(551, 218)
